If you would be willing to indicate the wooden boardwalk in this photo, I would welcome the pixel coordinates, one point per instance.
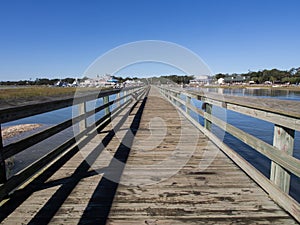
(153, 167)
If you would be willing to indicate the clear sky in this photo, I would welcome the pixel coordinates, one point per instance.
(61, 38)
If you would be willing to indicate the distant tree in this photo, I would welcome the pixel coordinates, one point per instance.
(179, 79)
(68, 80)
(220, 75)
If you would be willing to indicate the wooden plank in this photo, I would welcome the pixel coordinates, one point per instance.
(34, 108)
(188, 101)
(17, 147)
(282, 112)
(282, 158)
(293, 123)
(222, 192)
(25, 174)
(284, 141)
(31, 109)
(283, 107)
(285, 160)
(208, 110)
(82, 111)
(105, 101)
(2, 161)
(283, 199)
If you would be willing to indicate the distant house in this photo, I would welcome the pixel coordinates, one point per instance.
(200, 80)
(62, 84)
(128, 83)
(235, 79)
(221, 81)
(104, 81)
(75, 83)
(268, 83)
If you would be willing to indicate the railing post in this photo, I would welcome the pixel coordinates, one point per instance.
(177, 96)
(105, 101)
(284, 141)
(188, 101)
(174, 95)
(82, 111)
(124, 94)
(118, 97)
(169, 95)
(208, 110)
(2, 161)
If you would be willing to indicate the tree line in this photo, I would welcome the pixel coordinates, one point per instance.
(46, 81)
(179, 79)
(39, 81)
(291, 76)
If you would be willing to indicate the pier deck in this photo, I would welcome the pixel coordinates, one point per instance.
(153, 167)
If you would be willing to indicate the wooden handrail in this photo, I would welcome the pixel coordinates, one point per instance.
(122, 101)
(28, 109)
(285, 115)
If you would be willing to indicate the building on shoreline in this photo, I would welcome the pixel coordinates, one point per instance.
(200, 81)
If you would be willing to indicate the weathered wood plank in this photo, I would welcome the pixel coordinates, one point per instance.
(2, 161)
(74, 180)
(284, 141)
(280, 197)
(221, 192)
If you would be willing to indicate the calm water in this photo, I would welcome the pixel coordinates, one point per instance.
(255, 127)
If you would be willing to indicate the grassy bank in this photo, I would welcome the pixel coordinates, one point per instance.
(30, 93)
(21, 95)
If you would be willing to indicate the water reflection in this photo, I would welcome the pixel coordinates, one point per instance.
(255, 91)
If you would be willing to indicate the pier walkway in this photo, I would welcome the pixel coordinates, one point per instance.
(150, 165)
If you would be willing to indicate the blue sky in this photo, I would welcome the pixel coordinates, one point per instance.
(61, 38)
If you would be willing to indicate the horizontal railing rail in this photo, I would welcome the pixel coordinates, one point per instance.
(285, 115)
(124, 97)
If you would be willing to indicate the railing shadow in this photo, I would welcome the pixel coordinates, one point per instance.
(103, 194)
(100, 203)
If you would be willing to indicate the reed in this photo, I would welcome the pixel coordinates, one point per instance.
(29, 93)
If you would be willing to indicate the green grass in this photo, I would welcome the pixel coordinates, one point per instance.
(29, 93)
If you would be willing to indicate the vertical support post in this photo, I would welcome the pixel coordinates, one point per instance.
(124, 94)
(208, 110)
(82, 111)
(177, 96)
(118, 97)
(284, 141)
(105, 101)
(174, 100)
(188, 101)
(2, 161)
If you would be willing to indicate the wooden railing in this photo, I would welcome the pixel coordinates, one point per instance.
(123, 99)
(285, 115)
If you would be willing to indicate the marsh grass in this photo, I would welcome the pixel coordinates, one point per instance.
(30, 93)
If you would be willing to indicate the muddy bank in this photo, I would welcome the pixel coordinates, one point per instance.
(12, 131)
